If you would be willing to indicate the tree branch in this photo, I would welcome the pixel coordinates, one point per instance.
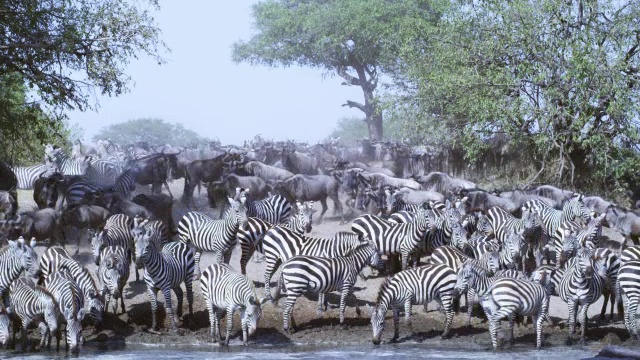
(353, 104)
(351, 80)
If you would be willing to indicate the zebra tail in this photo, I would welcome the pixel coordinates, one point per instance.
(618, 294)
(280, 286)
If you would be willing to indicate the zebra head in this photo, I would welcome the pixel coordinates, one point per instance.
(574, 207)
(27, 256)
(238, 210)
(484, 226)
(74, 329)
(582, 263)
(590, 236)
(304, 217)
(377, 323)
(491, 261)
(459, 236)
(111, 271)
(6, 329)
(97, 243)
(250, 316)
(96, 306)
(569, 246)
(462, 280)
(513, 248)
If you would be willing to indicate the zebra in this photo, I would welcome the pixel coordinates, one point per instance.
(553, 273)
(628, 290)
(125, 184)
(503, 223)
(274, 209)
(156, 228)
(103, 172)
(512, 250)
(582, 284)
(65, 164)
(509, 297)
(57, 258)
(218, 236)
(113, 274)
(224, 289)
(250, 238)
(413, 286)
(301, 274)
(30, 301)
(612, 263)
(16, 258)
(588, 236)
(64, 289)
(630, 253)
(280, 244)
(27, 175)
(475, 280)
(455, 259)
(117, 231)
(164, 270)
(479, 245)
(6, 326)
(392, 239)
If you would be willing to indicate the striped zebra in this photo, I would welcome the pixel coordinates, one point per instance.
(117, 231)
(310, 274)
(503, 223)
(630, 253)
(512, 250)
(6, 327)
(66, 164)
(274, 209)
(455, 259)
(57, 258)
(393, 239)
(27, 175)
(68, 295)
(250, 238)
(553, 273)
(588, 236)
(113, 274)
(508, 297)
(103, 172)
(612, 263)
(479, 245)
(16, 258)
(582, 284)
(223, 290)
(628, 290)
(413, 286)
(280, 244)
(164, 270)
(475, 280)
(217, 236)
(125, 184)
(157, 230)
(30, 302)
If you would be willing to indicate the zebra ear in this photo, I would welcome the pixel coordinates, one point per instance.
(231, 201)
(67, 314)
(81, 314)
(32, 243)
(263, 300)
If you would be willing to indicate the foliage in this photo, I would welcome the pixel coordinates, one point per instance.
(151, 131)
(20, 144)
(352, 130)
(354, 39)
(560, 78)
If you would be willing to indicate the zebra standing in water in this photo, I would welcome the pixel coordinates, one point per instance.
(628, 289)
(582, 284)
(301, 274)
(217, 236)
(507, 298)
(64, 289)
(117, 231)
(113, 274)
(224, 289)
(274, 209)
(164, 270)
(27, 175)
(413, 286)
(16, 258)
(57, 258)
(250, 238)
(280, 244)
(29, 301)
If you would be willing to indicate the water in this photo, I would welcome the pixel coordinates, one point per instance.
(312, 352)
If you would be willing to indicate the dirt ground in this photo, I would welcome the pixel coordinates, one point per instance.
(132, 327)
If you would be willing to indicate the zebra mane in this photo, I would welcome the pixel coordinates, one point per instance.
(384, 288)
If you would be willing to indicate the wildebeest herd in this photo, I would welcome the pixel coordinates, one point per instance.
(434, 237)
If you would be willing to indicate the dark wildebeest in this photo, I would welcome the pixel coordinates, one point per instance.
(626, 222)
(48, 191)
(551, 192)
(155, 170)
(8, 180)
(482, 200)
(218, 191)
(299, 163)
(207, 171)
(266, 172)
(8, 205)
(83, 217)
(312, 188)
(520, 198)
(41, 224)
(160, 205)
(377, 179)
(117, 204)
(444, 184)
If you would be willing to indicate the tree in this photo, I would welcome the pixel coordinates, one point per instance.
(66, 49)
(151, 131)
(352, 130)
(354, 39)
(560, 77)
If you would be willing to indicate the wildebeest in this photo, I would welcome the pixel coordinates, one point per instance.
(520, 198)
(8, 204)
(83, 217)
(312, 188)
(117, 204)
(8, 178)
(551, 192)
(266, 172)
(207, 171)
(160, 206)
(624, 221)
(377, 179)
(155, 170)
(444, 184)
(299, 163)
(41, 224)
(419, 197)
(48, 191)
(596, 204)
(218, 191)
(482, 200)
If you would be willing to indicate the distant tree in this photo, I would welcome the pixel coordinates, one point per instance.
(353, 129)
(152, 131)
(353, 39)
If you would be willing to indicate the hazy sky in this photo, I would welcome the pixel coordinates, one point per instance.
(203, 89)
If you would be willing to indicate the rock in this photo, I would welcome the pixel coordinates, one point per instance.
(611, 339)
(618, 352)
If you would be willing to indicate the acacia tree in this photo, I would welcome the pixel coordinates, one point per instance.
(151, 131)
(353, 39)
(560, 76)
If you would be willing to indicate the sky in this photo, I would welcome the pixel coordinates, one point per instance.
(203, 89)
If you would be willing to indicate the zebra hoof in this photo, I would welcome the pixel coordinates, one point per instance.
(343, 326)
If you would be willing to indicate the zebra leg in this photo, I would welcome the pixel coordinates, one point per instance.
(24, 336)
(197, 259)
(511, 321)
(603, 311)
(407, 315)
(320, 311)
(573, 308)
(494, 327)
(212, 317)
(396, 325)
(229, 324)
(405, 259)
(188, 284)
(227, 256)
(583, 321)
(346, 290)
(471, 294)
(633, 308)
(272, 264)
(169, 309)
(538, 320)
(180, 297)
(247, 252)
(124, 309)
(153, 295)
(217, 337)
(447, 305)
(287, 313)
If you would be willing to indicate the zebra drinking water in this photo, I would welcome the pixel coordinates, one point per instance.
(70, 301)
(113, 274)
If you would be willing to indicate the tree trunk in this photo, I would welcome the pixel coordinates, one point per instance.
(374, 122)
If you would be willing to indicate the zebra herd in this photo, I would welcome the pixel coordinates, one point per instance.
(446, 248)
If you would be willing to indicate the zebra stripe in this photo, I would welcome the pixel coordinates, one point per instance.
(628, 285)
(64, 289)
(27, 175)
(67, 165)
(117, 231)
(165, 270)
(508, 297)
(630, 253)
(319, 275)
(15, 258)
(455, 259)
(224, 289)
(113, 274)
(551, 219)
(6, 327)
(103, 172)
(217, 236)
(250, 238)
(612, 263)
(280, 244)
(29, 301)
(125, 184)
(274, 209)
(413, 286)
